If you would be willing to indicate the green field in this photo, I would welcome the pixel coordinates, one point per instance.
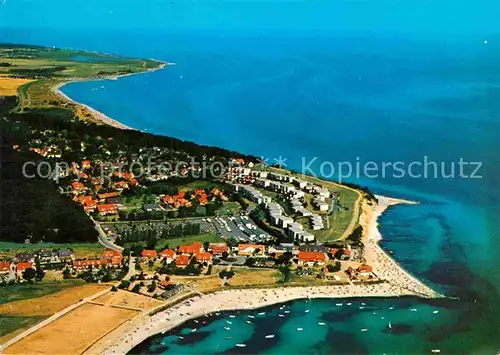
(26, 291)
(174, 242)
(81, 250)
(9, 323)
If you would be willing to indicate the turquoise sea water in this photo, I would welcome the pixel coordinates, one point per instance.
(378, 81)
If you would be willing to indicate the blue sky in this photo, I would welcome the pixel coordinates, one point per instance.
(439, 17)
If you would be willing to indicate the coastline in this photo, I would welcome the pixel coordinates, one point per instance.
(96, 115)
(397, 282)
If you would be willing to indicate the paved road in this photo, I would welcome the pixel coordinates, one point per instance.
(50, 319)
(103, 238)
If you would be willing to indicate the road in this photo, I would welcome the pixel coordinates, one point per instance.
(103, 238)
(50, 320)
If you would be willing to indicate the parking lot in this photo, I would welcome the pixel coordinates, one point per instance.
(241, 228)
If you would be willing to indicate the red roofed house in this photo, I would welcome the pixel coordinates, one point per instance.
(86, 164)
(4, 267)
(115, 257)
(104, 196)
(116, 260)
(365, 270)
(80, 264)
(20, 267)
(148, 254)
(218, 248)
(250, 249)
(182, 260)
(203, 257)
(106, 209)
(168, 254)
(77, 186)
(311, 257)
(192, 248)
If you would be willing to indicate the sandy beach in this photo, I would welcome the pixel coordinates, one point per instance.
(397, 282)
(98, 116)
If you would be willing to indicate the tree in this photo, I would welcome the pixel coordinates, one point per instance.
(209, 270)
(152, 286)
(39, 271)
(66, 273)
(29, 274)
(285, 270)
(114, 289)
(137, 288)
(125, 284)
(225, 255)
(206, 245)
(250, 262)
(257, 251)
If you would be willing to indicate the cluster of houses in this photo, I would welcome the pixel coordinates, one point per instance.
(111, 258)
(200, 195)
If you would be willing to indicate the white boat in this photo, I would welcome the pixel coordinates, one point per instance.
(364, 330)
(228, 322)
(249, 316)
(321, 323)
(287, 312)
(300, 329)
(227, 328)
(249, 322)
(196, 321)
(363, 304)
(413, 309)
(194, 330)
(361, 307)
(270, 336)
(339, 304)
(231, 316)
(391, 308)
(261, 313)
(307, 311)
(181, 337)
(435, 312)
(349, 303)
(390, 325)
(217, 313)
(241, 345)
(281, 315)
(435, 351)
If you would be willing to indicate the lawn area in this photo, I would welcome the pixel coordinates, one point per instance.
(243, 277)
(229, 208)
(25, 291)
(81, 250)
(174, 242)
(9, 324)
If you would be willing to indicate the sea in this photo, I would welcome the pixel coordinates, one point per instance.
(318, 86)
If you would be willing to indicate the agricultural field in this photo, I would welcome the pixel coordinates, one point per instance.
(22, 306)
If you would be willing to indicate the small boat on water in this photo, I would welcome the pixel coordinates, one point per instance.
(363, 304)
(227, 328)
(196, 321)
(391, 308)
(241, 345)
(287, 312)
(181, 337)
(228, 337)
(281, 315)
(361, 307)
(261, 313)
(349, 303)
(249, 322)
(413, 309)
(390, 325)
(435, 351)
(300, 329)
(306, 311)
(270, 336)
(435, 312)
(194, 330)
(217, 313)
(364, 330)
(250, 316)
(321, 323)
(231, 316)
(228, 322)
(339, 304)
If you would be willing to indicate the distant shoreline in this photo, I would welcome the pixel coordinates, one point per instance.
(98, 116)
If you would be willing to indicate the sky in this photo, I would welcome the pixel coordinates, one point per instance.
(437, 17)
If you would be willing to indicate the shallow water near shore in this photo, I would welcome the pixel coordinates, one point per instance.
(336, 95)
